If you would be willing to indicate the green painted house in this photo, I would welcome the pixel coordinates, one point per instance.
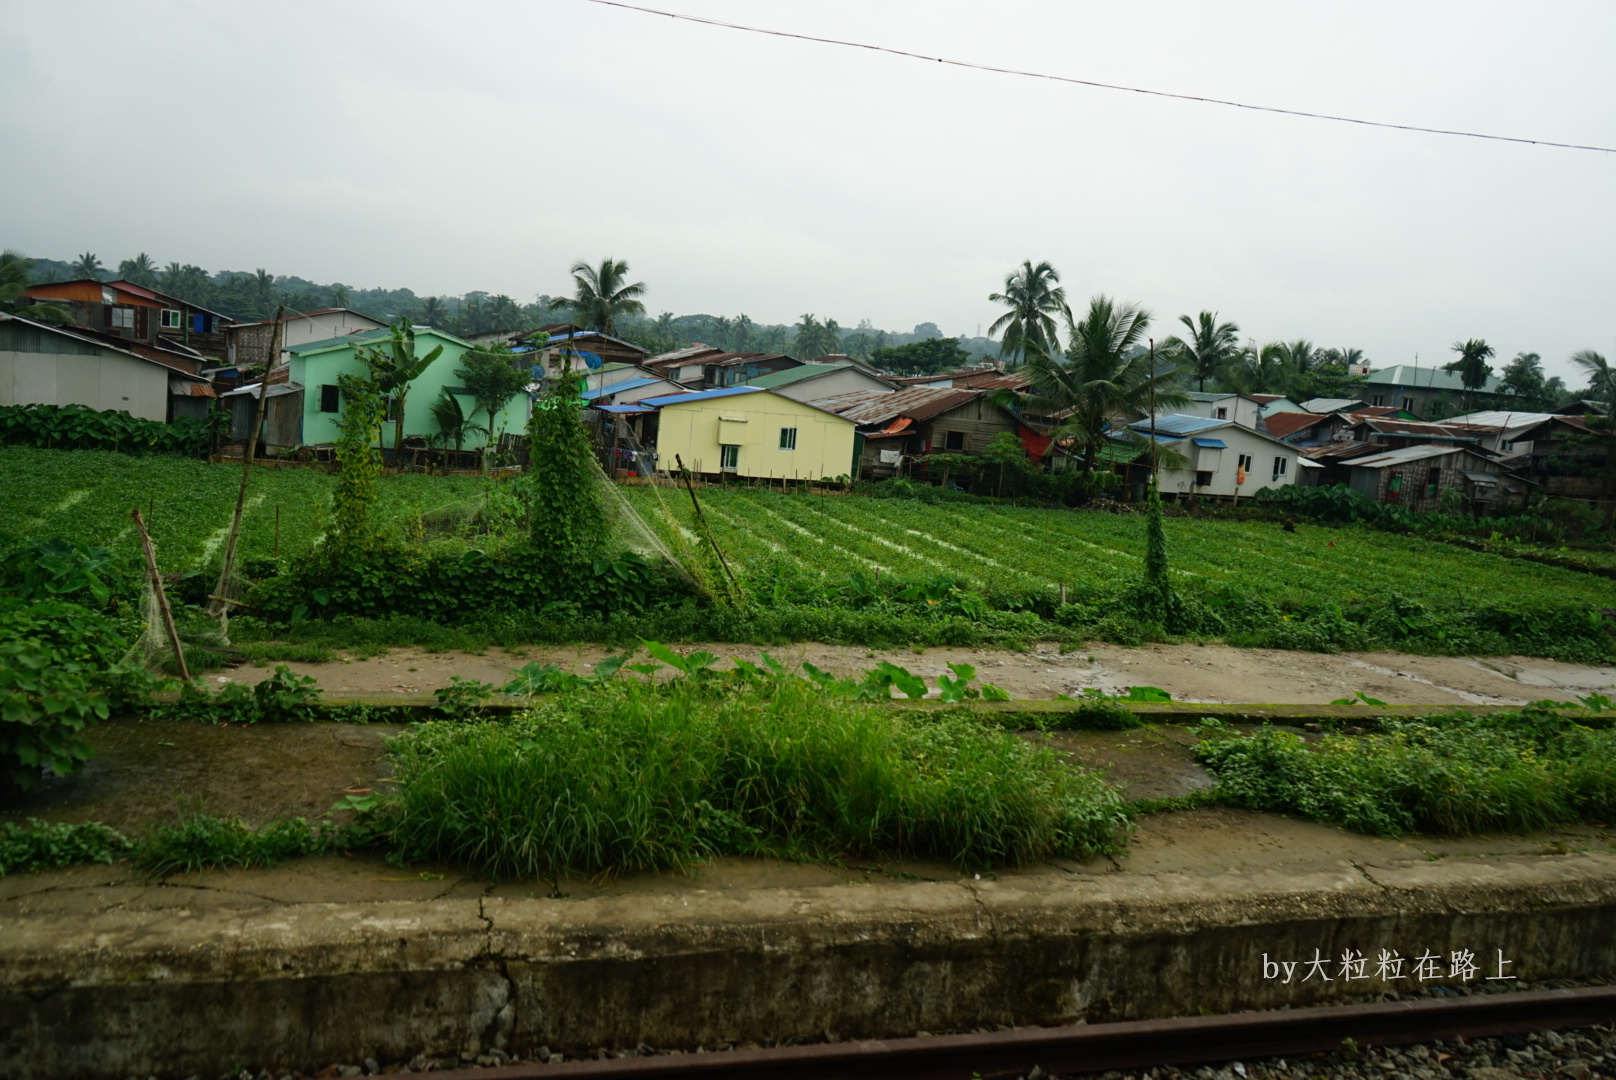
(315, 365)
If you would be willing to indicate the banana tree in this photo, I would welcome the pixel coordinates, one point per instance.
(396, 367)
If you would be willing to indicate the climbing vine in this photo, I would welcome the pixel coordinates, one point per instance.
(567, 517)
(359, 461)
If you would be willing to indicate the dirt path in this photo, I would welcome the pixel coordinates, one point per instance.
(1188, 672)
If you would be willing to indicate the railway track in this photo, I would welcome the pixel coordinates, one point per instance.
(1096, 1048)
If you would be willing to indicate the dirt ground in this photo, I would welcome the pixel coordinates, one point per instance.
(1211, 673)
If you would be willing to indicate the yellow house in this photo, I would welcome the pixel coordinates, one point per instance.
(749, 431)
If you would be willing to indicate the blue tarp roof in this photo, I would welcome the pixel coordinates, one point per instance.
(612, 388)
(702, 395)
(1217, 443)
(1178, 424)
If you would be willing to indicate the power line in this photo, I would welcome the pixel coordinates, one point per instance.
(1107, 86)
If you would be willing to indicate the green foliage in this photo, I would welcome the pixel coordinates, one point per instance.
(620, 776)
(40, 845)
(282, 697)
(567, 517)
(462, 697)
(920, 357)
(395, 368)
(58, 569)
(359, 462)
(492, 378)
(1447, 774)
(59, 674)
(202, 842)
(77, 427)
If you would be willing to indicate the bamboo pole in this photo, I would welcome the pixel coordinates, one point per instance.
(162, 597)
(705, 528)
(222, 610)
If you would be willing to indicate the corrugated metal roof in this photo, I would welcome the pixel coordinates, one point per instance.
(1208, 395)
(1422, 428)
(1343, 451)
(1496, 418)
(796, 374)
(1176, 424)
(701, 395)
(1331, 404)
(1406, 455)
(865, 407)
(619, 410)
(618, 387)
(275, 390)
(1217, 444)
(1422, 378)
(1285, 424)
(182, 387)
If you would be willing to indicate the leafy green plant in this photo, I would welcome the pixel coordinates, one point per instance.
(78, 427)
(203, 841)
(1445, 774)
(38, 845)
(462, 697)
(281, 697)
(1359, 697)
(626, 775)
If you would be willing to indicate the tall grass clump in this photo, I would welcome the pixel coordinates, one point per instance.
(636, 775)
(1455, 774)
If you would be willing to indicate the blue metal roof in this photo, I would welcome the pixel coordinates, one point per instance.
(1177, 424)
(612, 388)
(636, 407)
(1217, 443)
(702, 395)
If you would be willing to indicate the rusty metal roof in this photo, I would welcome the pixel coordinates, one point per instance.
(1285, 424)
(1343, 451)
(866, 407)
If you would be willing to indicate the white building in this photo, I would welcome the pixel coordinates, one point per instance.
(52, 365)
(1226, 459)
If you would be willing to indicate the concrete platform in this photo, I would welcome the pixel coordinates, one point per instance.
(102, 975)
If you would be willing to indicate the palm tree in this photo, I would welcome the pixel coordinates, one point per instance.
(1602, 387)
(88, 266)
(142, 270)
(1034, 296)
(433, 313)
(14, 267)
(503, 312)
(601, 296)
(1472, 365)
(1209, 349)
(1300, 355)
(1264, 370)
(814, 338)
(340, 296)
(451, 421)
(263, 285)
(1105, 377)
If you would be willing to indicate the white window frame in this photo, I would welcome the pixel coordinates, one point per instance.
(1222, 413)
(729, 457)
(121, 317)
(1281, 467)
(788, 438)
(171, 319)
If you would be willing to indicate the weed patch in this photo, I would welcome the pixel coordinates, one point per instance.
(1455, 774)
(621, 776)
(39, 845)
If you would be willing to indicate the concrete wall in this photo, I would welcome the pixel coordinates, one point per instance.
(697, 430)
(103, 381)
(176, 991)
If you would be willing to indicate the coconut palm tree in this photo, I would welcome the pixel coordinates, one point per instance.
(503, 312)
(88, 266)
(1602, 387)
(340, 297)
(142, 270)
(601, 295)
(815, 338)
(1105, 377)
(14, 268)
(1472, 365)
(433, 313)
(1034, 296)
(1266, 369)
(1210, 347)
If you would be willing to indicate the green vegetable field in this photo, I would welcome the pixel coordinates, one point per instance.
(86, 495)
(1015, 550)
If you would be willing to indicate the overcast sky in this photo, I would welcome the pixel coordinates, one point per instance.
(487, 145)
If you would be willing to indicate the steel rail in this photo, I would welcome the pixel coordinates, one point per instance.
(1089, 1048)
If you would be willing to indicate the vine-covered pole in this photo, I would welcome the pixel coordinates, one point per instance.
(220, 608)
(162, 597)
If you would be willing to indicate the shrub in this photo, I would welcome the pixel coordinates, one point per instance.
(48, 846)
(78, 427)
(633, 775)
(1451, 774)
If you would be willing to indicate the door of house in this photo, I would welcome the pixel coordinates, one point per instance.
(1394, 488)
